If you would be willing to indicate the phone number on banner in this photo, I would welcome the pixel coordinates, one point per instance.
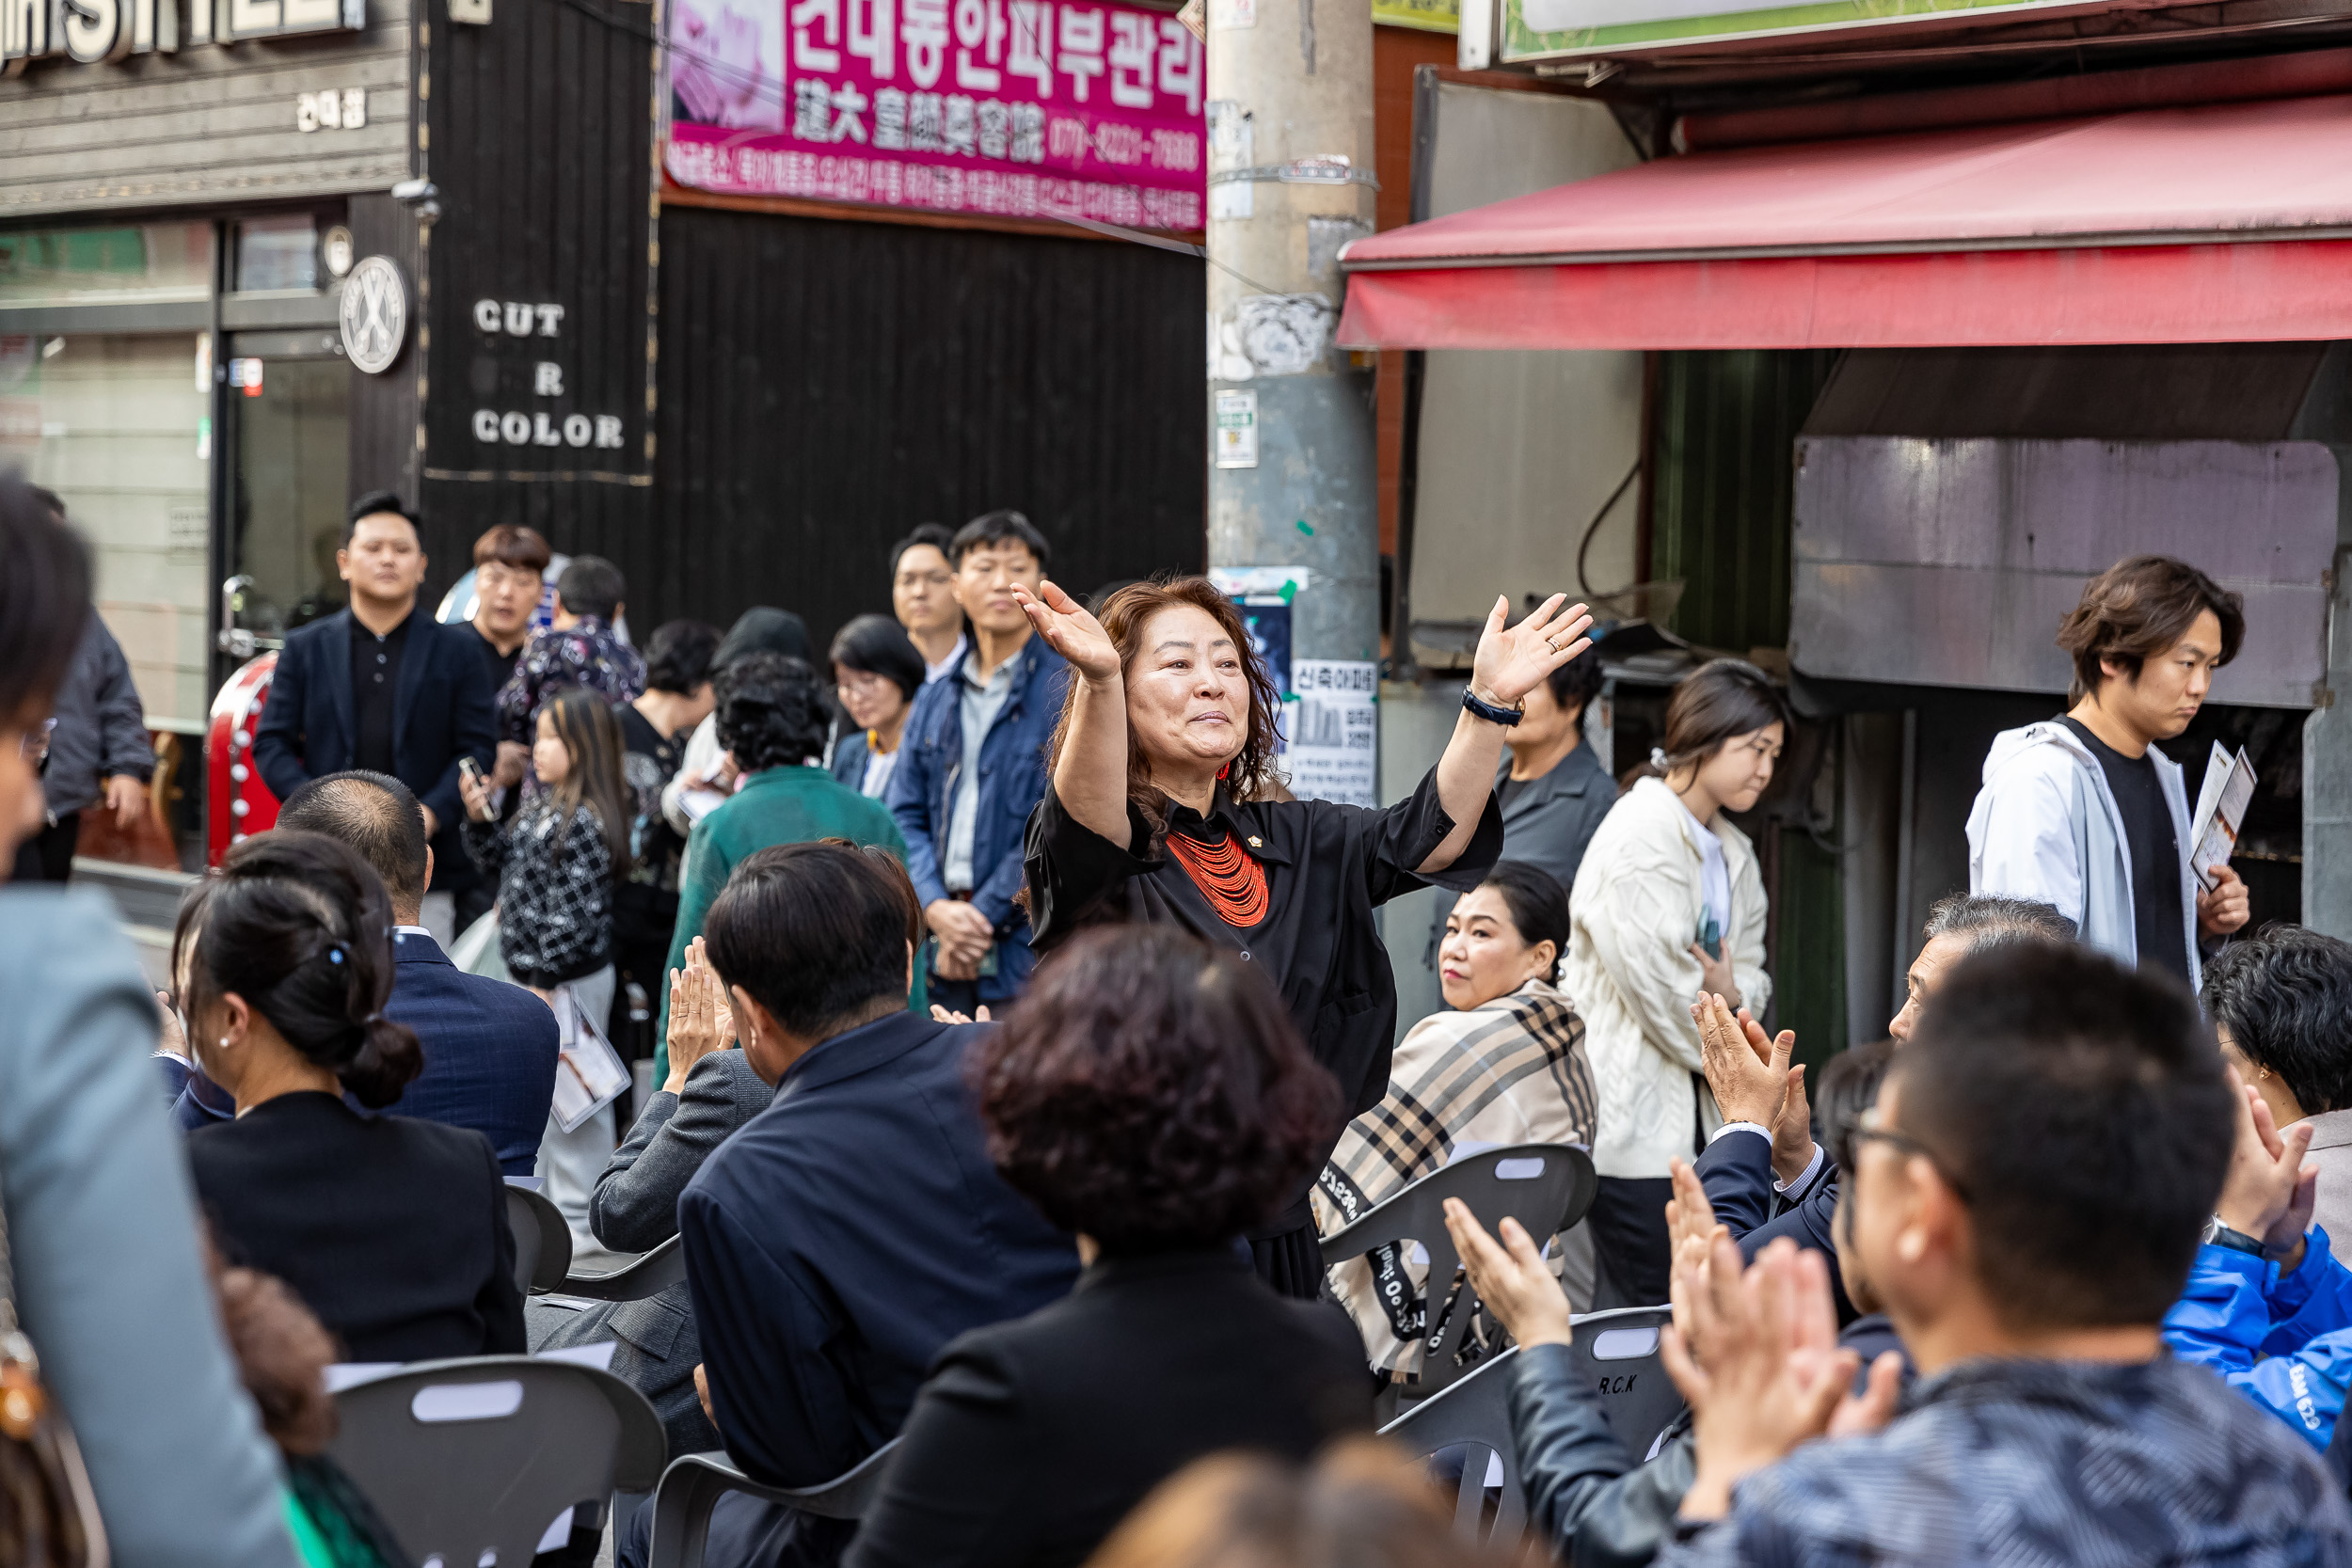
(714, 165)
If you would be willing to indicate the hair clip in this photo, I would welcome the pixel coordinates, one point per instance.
(334, 952)
(1657, 757)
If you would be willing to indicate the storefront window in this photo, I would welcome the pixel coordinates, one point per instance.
(293, 424)
(117, 426)
(119, 263)
(278, 253)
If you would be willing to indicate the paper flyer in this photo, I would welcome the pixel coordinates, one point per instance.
(2221, 804)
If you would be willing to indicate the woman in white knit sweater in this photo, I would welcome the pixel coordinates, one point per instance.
(1668, 902)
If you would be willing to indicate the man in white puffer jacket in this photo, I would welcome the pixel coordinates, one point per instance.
(2083, 812)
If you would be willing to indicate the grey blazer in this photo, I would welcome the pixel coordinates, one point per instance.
(634, 1209)
(103, 1228)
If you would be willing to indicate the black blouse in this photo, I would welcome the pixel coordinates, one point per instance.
(1327, 868)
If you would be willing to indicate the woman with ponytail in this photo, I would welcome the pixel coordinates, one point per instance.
(772, 720)
(391, 1230)
(1668, 902)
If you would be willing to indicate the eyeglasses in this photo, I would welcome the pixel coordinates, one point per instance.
(1868, 1130)
(863, 682)
(34, 742)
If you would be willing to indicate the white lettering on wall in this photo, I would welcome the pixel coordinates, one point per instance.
(331, 110)
(548, 379)
(92, 31)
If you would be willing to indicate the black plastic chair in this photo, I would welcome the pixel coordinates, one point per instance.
(1546, 1187)
(1474, 1415)
(543, 1243)
(1618, 1350)
(470, 1461)
(694, 1482)
(648, 1275)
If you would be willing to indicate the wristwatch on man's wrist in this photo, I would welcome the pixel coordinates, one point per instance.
(2220, 1235)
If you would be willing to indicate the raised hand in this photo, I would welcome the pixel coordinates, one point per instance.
(701, 1021)
(1069, 629)
(2268, 1192)
(1510, 660)
(1510, 1278)
(1746, 1087)
(1768, 1374)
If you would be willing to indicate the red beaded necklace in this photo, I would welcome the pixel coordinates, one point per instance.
(1231, 881)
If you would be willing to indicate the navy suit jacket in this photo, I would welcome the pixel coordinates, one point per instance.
(1737, 1171)
(489, 1056)
(842, 1237)
(442, 712)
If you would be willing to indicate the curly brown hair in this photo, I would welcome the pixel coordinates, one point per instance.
(1150, 1091)
(1253, 775)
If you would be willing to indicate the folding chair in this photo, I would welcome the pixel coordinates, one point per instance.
(648, 1275)
(1546, 1187)
(694, 1482)
(1618, 1352)
(469, 1462)
(543, 1243)
(1474, 1412)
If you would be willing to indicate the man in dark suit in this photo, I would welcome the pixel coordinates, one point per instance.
(489, 1047)
(838, 1241)
(379, 686)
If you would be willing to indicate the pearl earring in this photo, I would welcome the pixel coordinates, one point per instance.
(224, 1042)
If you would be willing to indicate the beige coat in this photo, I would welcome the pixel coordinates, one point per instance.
(1635, 910)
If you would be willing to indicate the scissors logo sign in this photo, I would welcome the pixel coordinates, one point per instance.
(374, 314)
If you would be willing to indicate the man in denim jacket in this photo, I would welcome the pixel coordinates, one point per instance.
(972, 766)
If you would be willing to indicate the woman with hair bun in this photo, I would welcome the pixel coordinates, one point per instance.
(391, 1230)
(1669, 902)
(772, 720)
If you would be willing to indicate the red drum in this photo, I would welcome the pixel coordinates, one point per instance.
(236, 801)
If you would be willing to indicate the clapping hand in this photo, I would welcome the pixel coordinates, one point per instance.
(1069, 629)
(1755, 1352)
(701, 1020)
(941, 1015)
(1510, 1278)
(1510, 660)
(2268, 1192)
(1753, 1081)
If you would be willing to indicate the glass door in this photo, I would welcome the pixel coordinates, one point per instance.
(291, 429)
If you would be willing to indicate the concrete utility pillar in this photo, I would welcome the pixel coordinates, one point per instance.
(1292, 479)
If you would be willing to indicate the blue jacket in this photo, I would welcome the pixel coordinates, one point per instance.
(1012, 781)
(489, 1056)
(835, 1243)
(2283, 1343)
(1737, 1171)
(442, 712)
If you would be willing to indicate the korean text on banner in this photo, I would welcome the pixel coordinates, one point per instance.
(1334, 741)
(1009, 108)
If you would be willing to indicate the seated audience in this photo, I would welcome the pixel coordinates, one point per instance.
(2269, 1307)
(2280, 1002)
(489, 1047)
(876, 673)
(2026, 1202)
(834, 1245)
(711, 1092)
(772, 718)
(393, 1230)
(1363, 1505)
(1506, 1066)
(106, 1279)
(1765, 1177)
(1598, 1503)
(1150, 1094)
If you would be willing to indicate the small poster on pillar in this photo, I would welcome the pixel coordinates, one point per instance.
(1001, 108)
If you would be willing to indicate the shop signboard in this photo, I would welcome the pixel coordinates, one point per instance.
(1430, 16)
(1002, 108)
(90, 31)
(1534, 30)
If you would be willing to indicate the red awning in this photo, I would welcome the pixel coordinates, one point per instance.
(2220, 223)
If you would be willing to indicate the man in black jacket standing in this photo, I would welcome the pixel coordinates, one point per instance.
(381, 687)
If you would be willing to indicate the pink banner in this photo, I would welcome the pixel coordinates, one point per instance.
(1013, 108)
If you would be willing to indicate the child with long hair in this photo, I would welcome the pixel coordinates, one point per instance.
(555, 862)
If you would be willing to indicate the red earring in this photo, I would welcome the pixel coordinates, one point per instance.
(1225, 772)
